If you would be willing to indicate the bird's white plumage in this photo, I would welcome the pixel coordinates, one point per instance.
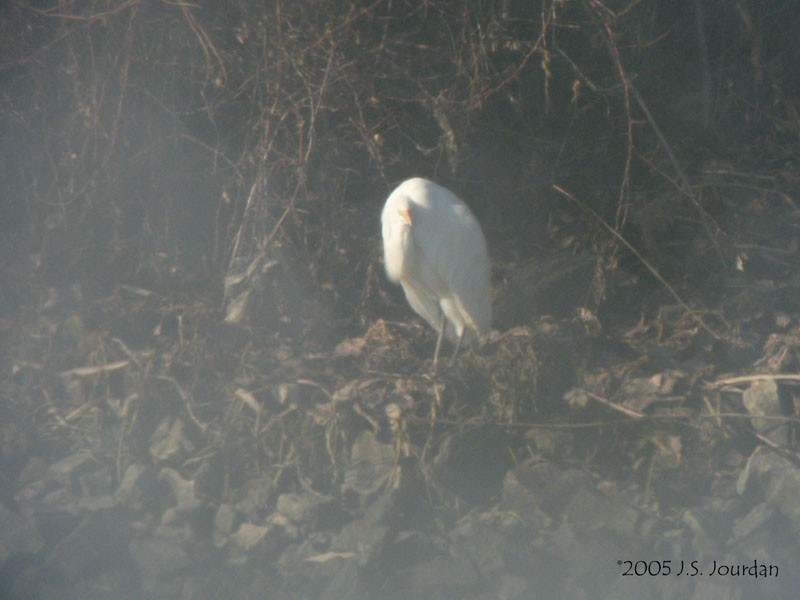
(434, 247)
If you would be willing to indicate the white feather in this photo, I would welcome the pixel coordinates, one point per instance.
(434, 247)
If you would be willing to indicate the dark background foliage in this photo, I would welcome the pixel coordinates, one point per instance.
(134, 131)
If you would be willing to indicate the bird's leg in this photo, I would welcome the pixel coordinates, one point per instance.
(439, 341)
(458, 346)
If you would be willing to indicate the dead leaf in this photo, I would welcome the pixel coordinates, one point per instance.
(86, 371)
(325, 557)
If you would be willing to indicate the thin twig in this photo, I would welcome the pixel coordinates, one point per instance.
(756, 377)
(698, 319)
(631, 90)
(618, 407)
(687, 188)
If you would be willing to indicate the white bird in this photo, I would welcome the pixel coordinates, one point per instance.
(434, 247)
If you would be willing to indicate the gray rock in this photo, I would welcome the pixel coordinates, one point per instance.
(69, 469)
(704, 544)
(762, 402)
(712, 590)
(370, 470)
(138, 488)
(365, 539)
(18, 536)
(157, 557)
(34, 470)
(170, 440)
(591, 510)
(473, 462)
(770, 477)
(513, 587)
(249, 534)
(225, 518)
(755, 520)
(59, 501)
(442, 576)
(257, 497)
(97, 482)
(95, 503)
(575, 556)
(254, 542)
(478, 540)
(314, 572)
(101, 537)
(304, 508)
(186, 501)
(37, 582)
(32, 492)
(345, 583)
(120, 583)
(539, 490)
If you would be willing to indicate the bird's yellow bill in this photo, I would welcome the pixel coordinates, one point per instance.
(406, 215)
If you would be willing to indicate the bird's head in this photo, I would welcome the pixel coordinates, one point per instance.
(398, 240)
(403, 211)
(405, 215)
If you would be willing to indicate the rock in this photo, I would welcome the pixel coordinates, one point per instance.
(710, 524)
(138, 489)
(305, 508)
(473, 462)
(120, 583)
(442, 576)
(761, 401)
(569, 563)
(68, 470)
(52, 511)
(477, 540)
(18, 537)
(513, 587)
(31, 493)
(225, 518)
(299, 557)
(312, 571)
(97, 482)
(187, 503)
(257, 497)
(591, 510)
(170, 440)
(371, 467)
(60, 500)
(219, 583)
(100, 538)
(345, 583)
(758, 469)
(757, 519)
(35, 581)
(158, 557)
(538, 490)
(16, 446)
(253, 542)
(34, 470)
(249, 534)
(770, 477)
(367, 537)
(703, 543)
(95, 503)
(711, 590)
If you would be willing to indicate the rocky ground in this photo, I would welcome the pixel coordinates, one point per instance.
(153, 450)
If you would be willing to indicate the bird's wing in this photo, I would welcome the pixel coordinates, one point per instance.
(424, 304)
(451, 240)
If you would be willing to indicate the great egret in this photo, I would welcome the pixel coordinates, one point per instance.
(434, 247)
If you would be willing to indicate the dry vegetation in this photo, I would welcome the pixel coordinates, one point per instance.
(634, 164)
